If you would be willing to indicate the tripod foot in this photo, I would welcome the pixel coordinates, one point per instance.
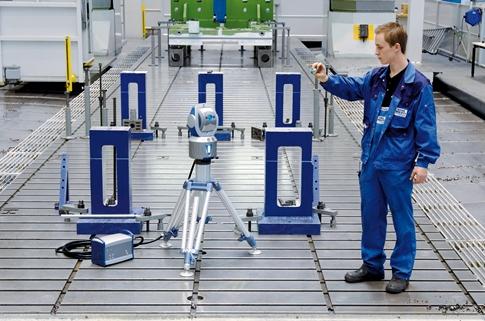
(187, 273)
(255, 252)
(165, 245)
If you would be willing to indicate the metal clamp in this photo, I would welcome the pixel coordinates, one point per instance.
(181, 128)
(233, 128)
(322, 209)
(157, 127)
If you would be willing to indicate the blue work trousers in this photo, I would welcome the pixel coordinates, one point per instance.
(378, 189)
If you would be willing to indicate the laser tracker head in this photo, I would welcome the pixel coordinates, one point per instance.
(202, 123)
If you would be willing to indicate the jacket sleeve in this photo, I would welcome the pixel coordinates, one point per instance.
(425, 125)
(349, 88)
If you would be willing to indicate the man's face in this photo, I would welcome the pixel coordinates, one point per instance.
(384, 52)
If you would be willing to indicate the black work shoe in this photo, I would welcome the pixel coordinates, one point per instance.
(363, 274)
(397, 285)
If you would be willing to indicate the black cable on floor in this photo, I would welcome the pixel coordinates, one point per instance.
(69, 249)
(149, 242)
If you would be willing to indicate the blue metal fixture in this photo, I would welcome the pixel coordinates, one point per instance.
(65, 205)
(215, 78)
(139, 124)
(119, 138)
(64, 188)
(316, 180)
(282, 79)
(278, 219)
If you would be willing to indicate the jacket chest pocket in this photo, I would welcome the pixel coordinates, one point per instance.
(400, 122)
(403, 113)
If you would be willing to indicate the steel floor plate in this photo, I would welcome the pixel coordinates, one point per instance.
(295, 275)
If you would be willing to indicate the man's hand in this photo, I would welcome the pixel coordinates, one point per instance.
(419, 175)
(320, 72)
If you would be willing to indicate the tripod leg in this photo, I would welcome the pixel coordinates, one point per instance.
(188, 247)
(246, 236)
(186, 272)
(200, 231)
(174, 222)
(186, 220)
(193, 224)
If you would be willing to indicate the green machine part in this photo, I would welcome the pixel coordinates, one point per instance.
(267, 10)
(199, 10)
(241, 12)
(178, 10)
(202, 11)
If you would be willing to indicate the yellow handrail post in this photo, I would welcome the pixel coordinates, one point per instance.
(143, 20)
(70, 79)
(70, 76)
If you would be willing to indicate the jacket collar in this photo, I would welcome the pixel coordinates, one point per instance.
(409, 74)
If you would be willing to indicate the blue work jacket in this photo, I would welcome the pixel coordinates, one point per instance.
(409, 134)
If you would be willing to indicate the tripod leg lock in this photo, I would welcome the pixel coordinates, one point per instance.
(250, 239)
(169, 234)
(217, 186)
(189, 258)
(207, 219)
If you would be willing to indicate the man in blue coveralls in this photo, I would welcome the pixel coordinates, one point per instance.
(398, 143)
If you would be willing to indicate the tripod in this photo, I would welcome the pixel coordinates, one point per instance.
(197, 192)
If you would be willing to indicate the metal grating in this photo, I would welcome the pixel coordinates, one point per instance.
(18, 158)
(462, 231)
(432, 39)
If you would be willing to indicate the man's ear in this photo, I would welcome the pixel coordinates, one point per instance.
(397, 46)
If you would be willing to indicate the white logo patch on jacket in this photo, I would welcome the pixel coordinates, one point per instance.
(401, 112)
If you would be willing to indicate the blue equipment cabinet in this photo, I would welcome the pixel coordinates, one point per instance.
(282, 79)
(139, 132)
(119, 138)
(277, 219)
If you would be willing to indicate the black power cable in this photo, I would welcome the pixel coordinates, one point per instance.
(191, 169)
(69, 249)
(149, 242)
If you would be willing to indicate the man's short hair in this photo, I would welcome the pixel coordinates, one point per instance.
(394, 33)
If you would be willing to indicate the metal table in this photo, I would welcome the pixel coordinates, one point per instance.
(476, 45)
